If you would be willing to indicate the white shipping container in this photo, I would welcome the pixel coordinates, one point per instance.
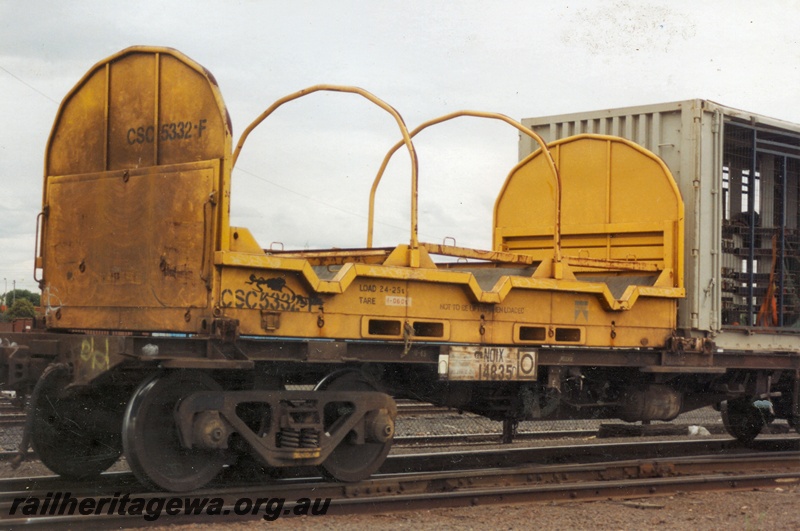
(742, 269)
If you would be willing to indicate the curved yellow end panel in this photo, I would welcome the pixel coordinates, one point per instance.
(619, 203)
(136, 181)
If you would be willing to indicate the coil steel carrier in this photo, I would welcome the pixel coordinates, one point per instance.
(172, 336)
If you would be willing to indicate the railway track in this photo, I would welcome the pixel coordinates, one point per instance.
(424, 481)
(8, 407)
(9, 420)
(411, 407)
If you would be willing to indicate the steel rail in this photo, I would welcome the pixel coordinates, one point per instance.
(508, 456)
(537, 483)
(463, 459)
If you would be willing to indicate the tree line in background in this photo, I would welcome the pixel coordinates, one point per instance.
(19, 303)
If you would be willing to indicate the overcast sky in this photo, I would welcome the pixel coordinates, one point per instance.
(303, 179)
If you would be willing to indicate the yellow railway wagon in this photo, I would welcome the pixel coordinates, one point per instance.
(172, 335)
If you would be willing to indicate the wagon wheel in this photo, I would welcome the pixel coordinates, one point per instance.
(742, 419)
(150, 434)
(350, 461)
(76, 437)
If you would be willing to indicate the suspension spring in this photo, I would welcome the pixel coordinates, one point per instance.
(309, 438)
(288, 438)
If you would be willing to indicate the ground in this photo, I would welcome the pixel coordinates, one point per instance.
(775, 509)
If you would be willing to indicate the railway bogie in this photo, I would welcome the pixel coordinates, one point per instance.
(174, 338)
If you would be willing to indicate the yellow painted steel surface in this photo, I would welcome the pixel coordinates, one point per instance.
(136, 195)
(136, 236)
(619, 202)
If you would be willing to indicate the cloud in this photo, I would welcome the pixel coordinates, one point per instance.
(620, 29)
